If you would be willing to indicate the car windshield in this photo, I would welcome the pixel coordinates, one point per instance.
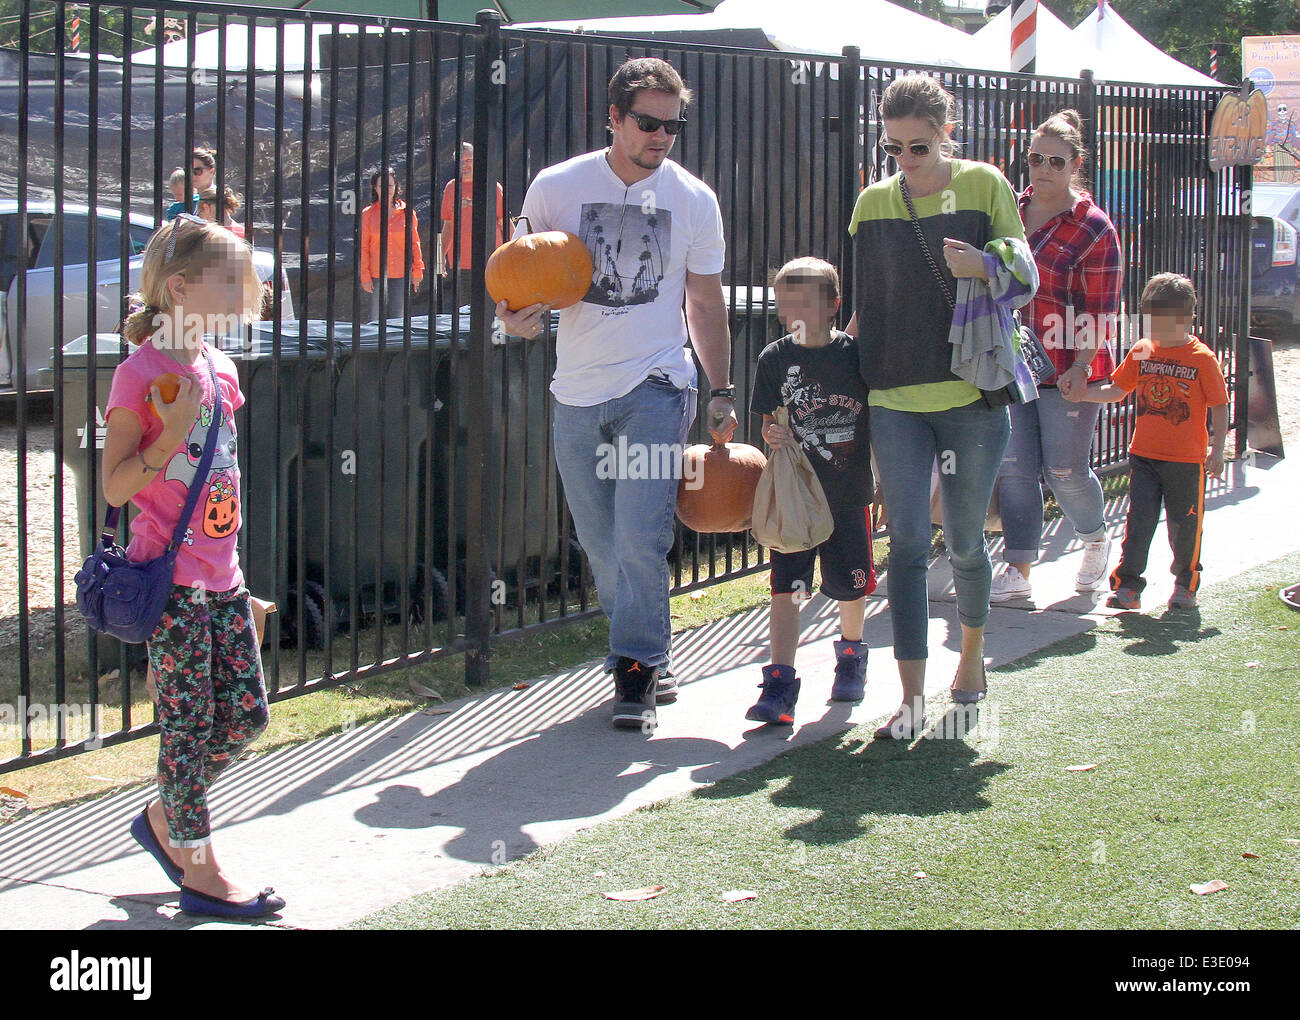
(1271, 201)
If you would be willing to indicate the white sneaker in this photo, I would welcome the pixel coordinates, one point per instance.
(1095, 566)
(1010, 584)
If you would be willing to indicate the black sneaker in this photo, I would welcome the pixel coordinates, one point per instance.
(665, 687)
(634, 694)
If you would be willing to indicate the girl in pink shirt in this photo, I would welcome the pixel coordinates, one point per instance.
(197, 279)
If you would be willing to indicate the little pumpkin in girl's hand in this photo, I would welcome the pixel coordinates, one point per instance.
(168, 384)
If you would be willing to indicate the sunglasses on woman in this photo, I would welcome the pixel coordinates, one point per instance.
(895, 149)
(650, 124)
(1057, 162)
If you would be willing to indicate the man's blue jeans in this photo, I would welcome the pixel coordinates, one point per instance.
(968, 442)
(1051, 437)
(623, 518)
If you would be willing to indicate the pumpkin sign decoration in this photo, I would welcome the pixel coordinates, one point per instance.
(716, 490)
(552, 268)
(169, 384)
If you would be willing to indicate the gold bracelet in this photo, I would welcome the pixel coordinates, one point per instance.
(145, 464)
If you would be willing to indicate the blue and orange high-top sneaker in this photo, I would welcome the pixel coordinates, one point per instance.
(850, 671)
(780, 692)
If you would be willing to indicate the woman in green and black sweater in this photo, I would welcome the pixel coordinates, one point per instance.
(920, 410)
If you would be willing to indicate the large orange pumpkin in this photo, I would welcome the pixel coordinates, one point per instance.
(169, 384)
(552, 268)
(716, 490)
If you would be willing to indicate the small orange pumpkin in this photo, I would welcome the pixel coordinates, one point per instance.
(169, 384)
(716, 490)
(552, 268)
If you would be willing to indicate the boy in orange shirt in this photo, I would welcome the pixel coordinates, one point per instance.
(1176, 378)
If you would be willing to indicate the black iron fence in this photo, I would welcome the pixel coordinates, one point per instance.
(400, 499)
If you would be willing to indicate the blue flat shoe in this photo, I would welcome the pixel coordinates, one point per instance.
(142, 832)
(193, 902)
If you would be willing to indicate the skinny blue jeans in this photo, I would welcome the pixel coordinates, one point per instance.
(968, 442)
(624, 519)
(1051, 437)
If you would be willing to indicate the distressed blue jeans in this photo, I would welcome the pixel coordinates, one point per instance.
(1053, 438)
(968, 442)
(624, 519)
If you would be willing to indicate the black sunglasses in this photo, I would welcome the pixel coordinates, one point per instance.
(1036, 159)
(895, 149)
(650, 124)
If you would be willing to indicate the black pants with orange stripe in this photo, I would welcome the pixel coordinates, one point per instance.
(1181, 488)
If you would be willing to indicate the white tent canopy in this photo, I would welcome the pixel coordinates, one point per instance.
(883, 31)
(1125, 55)
(1059, 53)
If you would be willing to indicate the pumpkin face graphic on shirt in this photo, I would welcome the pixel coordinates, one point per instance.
(221, 511)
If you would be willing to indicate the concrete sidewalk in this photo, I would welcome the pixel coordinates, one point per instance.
(351, 823)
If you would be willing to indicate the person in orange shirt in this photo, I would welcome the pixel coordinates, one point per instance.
(1176, 378)
(394, 260)
(456, 254)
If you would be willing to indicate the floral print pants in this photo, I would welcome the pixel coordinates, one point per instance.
(211, 700)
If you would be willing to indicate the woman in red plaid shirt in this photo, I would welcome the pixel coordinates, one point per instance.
(1075, 313)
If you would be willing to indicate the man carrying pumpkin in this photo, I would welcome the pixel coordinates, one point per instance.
(623, 375)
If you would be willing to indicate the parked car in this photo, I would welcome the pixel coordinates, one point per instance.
(1274, 270)
(33, 255)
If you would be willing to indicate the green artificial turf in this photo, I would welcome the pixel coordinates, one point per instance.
(1192, 719)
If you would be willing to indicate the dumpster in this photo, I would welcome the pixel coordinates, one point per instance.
(370, 508)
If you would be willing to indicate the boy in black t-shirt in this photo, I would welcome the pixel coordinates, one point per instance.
(813, 373)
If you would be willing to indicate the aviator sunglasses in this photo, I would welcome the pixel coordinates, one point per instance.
(650, 124)
(895, 149)
(1036, 159)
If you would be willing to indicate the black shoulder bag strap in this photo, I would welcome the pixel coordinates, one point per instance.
(200, 477)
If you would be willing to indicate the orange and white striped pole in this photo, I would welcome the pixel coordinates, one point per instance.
(76, 31)
(1024, 36)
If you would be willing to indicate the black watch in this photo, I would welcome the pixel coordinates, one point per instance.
(724, 391)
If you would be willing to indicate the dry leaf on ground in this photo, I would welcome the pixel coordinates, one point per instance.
(1249, 856)
(435, 711)
(419, 690)
(520, 687)
(1213, 886)
(736, 895)
(1080, 768)
(628, 895)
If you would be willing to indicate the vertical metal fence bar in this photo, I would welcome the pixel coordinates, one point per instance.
(352, 366)
(58, 224)
(125, 251)
(20, 385)
(480, 520)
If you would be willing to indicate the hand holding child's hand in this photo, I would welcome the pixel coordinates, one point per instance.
(1214, 464)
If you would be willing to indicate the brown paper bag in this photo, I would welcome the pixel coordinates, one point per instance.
(790, 509)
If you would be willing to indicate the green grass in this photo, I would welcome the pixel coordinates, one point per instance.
(1191, 718)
